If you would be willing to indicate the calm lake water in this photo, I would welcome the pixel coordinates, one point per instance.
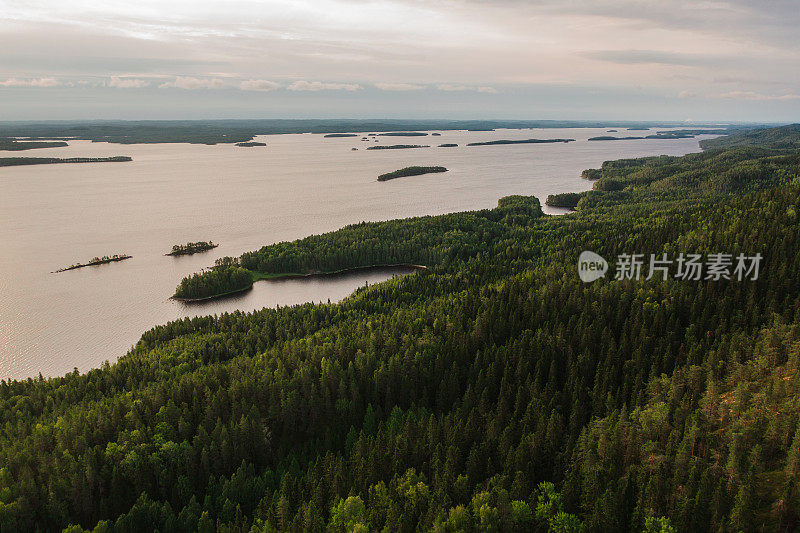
(52, 216)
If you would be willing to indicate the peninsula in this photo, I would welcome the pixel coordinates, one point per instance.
(566, 199)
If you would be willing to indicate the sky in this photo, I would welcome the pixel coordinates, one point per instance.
(677, 60)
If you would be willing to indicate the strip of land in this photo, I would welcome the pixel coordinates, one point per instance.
(522, 141)
(18, 161)
(397, 146)
(410, 171)
(96, 261)
(191, 248)
(404, 134)
(250, 144)
(14, 145)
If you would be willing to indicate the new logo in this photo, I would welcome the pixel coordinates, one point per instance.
(591, 266)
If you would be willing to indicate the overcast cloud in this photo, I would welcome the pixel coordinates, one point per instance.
(627, 59)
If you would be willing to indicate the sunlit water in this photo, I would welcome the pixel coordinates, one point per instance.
(52, 216)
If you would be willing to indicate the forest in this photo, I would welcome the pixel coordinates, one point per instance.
(492, 391)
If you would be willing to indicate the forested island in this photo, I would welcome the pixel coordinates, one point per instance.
(340, 135)
(493, 391)
(396, 146)
(520, 141)
(410, 171)
(96, 261)
(13, 145)
(192, 248)
(448, 145)
(250, 144)
(16, 161)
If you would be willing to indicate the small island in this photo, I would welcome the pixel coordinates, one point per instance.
(192, 248)
(670, 135)
(611, 131)
(410, 171)
(666, 135)
(15, 161)
(403, 134)
(337, 135)
(96, 261)
(448, 145)
(436, 134)
(397, 146)
(523, 141)
(249, 144)
(612, 138)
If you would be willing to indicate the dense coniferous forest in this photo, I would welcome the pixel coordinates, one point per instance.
(493, 391)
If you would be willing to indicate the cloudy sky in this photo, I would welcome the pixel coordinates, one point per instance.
(550, 59)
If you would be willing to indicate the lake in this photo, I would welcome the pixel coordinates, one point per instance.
(52, 216)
